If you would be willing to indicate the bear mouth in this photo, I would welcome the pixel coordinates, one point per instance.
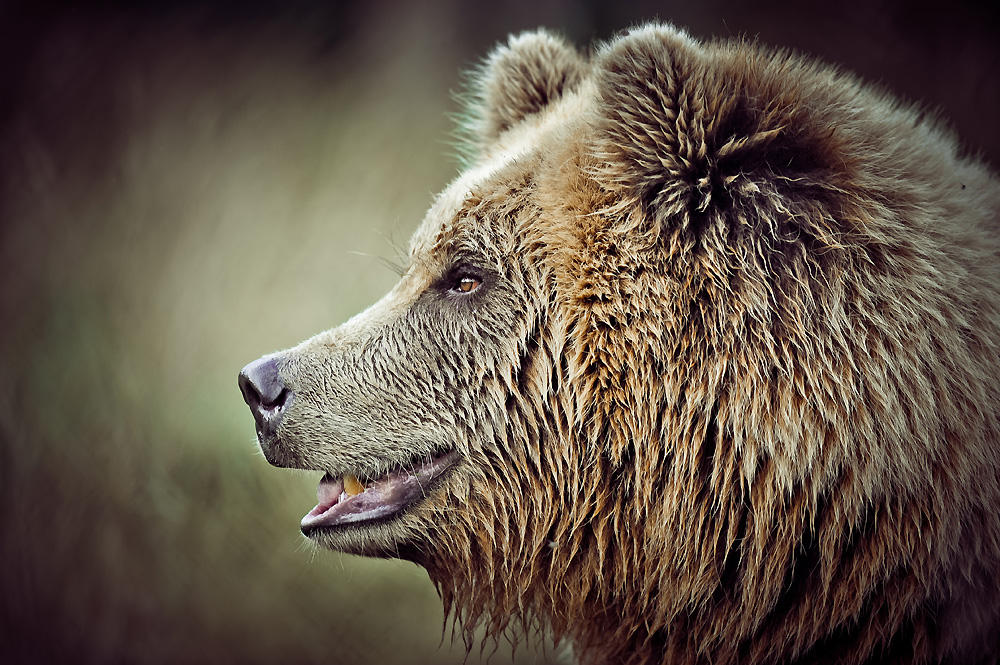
(346, 501)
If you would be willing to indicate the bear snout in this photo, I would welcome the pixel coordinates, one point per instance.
(266, 394)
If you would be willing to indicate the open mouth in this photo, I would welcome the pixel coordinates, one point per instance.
(346, 500)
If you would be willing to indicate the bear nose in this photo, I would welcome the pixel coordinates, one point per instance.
(265, 393)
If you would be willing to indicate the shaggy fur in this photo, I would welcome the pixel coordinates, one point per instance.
(728, 392)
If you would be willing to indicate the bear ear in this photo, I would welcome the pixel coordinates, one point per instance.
(686, 128)
(520, 78)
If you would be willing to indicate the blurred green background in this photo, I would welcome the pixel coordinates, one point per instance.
(184, 187)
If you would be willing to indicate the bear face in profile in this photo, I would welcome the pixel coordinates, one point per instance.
(697, 361)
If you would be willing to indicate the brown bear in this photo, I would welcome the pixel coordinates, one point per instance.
(698, 361)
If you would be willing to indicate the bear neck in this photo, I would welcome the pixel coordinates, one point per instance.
(648, 512)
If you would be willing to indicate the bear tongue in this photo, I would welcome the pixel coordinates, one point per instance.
(327, 494)
(380, 498)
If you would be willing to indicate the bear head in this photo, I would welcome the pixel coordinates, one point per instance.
(692, 360)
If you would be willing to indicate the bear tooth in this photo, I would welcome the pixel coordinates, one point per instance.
(352, 486)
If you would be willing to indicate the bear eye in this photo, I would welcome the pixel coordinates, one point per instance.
(466, 284)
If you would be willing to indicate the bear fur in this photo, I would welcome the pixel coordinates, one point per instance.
(712, 335)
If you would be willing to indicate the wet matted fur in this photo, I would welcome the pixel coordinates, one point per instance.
(724, 388)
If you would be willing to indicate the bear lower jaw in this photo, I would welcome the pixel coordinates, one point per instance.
(340, 506)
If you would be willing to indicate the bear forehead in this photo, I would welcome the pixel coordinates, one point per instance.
(527, 145)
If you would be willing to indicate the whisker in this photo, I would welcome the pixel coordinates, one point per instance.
(388, 263)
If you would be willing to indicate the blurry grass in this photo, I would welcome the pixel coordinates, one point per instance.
(174, 208)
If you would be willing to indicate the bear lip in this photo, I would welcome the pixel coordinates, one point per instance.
(381, 497)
